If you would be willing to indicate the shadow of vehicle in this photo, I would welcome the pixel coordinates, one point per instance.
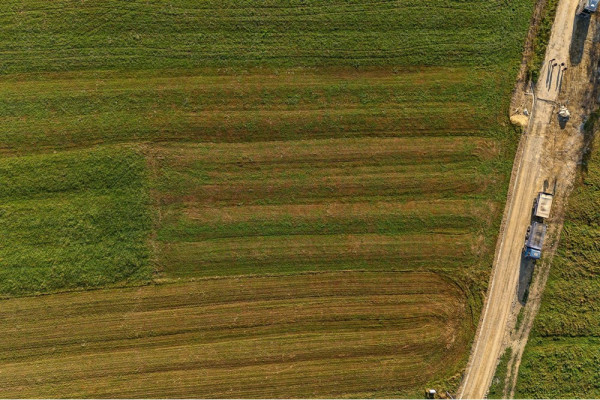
(580, 32)
(525, 275)
(562, 122)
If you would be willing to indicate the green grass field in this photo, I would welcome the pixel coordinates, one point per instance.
(285, 198)
(58, 111)
(68, 35)
(73, 220)
(561, 358)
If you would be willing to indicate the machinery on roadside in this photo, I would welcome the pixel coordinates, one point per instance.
(536, 232)
(564, 113)
(542, 205)
(534, 240)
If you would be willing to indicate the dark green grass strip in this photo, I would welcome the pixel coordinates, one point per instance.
(186, 230)
(71, 35)
(496, 390)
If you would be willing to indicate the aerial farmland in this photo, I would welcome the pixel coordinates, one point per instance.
(250, 199)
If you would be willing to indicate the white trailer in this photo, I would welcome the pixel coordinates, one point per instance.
(543, 204)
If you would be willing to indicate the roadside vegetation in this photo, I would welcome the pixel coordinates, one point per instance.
(312, 190)
(561, 357)
(540, 42)
(496, 390)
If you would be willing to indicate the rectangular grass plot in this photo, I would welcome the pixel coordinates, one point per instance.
(73, 220)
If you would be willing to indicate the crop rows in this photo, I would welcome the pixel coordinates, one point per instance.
(66, 110)
(270, 333)
(70, 35)
(262, 208)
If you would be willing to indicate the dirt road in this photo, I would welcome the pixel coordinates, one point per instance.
(531, 174)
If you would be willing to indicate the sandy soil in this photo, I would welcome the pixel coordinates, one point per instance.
(546, 160)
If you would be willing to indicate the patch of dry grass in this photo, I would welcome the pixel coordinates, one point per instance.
(331, 334)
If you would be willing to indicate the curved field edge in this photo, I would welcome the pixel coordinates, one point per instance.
(372, 334)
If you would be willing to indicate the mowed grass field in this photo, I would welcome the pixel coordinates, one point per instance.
(561, 357)
(328, 334)
(268, 199)
(311, 205)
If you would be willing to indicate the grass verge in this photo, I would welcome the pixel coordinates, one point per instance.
(496, 390)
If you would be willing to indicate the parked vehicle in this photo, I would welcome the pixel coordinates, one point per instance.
(534, 240)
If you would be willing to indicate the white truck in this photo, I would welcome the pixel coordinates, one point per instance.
(536, 232)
